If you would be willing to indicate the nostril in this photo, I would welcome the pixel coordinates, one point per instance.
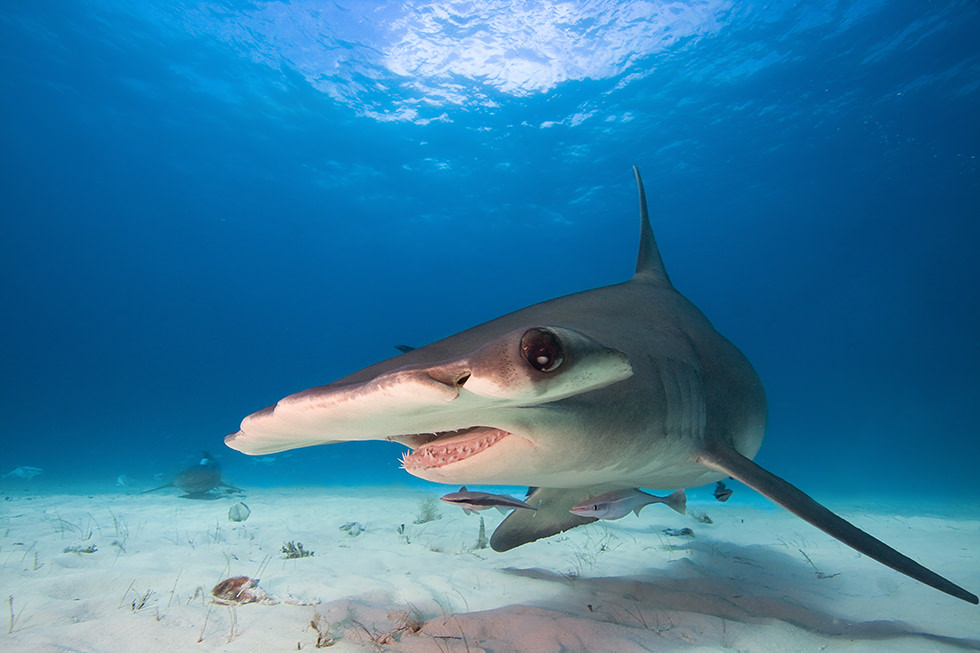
(463, 379)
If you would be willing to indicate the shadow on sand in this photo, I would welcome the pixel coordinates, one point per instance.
(733, 584)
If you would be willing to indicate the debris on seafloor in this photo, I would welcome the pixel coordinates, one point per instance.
(699, 516)
(239, 512)
(237, 590)
(481, 541)
(428, 510)
(353, 528)
(292, 550)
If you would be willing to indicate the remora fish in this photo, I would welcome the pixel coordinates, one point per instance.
(623, 386)
(471, 502)
(619, 503)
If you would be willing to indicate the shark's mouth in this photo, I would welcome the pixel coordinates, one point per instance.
(446, 447)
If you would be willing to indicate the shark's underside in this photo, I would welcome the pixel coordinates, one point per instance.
(626, 386)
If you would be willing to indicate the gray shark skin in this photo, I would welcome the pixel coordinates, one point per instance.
(625, 386)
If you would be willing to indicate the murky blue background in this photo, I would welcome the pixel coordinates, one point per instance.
(208, 206)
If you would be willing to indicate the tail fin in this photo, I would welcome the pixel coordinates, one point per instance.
(156, 488)
(734, 464)
(677, 500)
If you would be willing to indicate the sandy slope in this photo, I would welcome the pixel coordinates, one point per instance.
(742, 583)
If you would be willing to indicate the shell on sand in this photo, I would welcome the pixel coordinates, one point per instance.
(240, 589)
(238, 512)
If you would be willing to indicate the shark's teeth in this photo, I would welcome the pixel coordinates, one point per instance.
(451, 449)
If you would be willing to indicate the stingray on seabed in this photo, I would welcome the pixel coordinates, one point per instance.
(198, 480)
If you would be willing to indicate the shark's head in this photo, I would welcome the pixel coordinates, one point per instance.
(498, 387)
(467, 419)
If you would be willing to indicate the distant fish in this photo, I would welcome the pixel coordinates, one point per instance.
(24, 472)
(268, 460)
(678, 532)
(122, 480)
(619, 503)
(404, 348)
(199, 480)
(471, 502)
(721, 492)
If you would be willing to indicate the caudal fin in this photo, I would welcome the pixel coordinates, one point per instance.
(677, 500)
(156, 488)
(736, 465)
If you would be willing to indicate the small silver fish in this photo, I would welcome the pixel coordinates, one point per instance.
(619, 503)
(471, 502)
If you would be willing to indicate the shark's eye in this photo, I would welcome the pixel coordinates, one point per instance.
(542, 350)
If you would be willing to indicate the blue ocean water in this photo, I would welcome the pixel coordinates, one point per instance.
(209, 206)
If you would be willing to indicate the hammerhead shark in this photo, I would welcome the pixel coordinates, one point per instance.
(624, 386)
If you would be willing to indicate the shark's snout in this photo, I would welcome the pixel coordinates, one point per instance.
(418, 403)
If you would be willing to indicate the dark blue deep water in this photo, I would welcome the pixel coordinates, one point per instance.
(208, 206)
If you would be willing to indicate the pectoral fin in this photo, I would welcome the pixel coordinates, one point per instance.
(737, 466)
(551, 516)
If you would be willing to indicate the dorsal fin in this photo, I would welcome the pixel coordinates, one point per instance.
(649, 265)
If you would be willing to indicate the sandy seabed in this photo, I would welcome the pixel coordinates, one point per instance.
(118, 572)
